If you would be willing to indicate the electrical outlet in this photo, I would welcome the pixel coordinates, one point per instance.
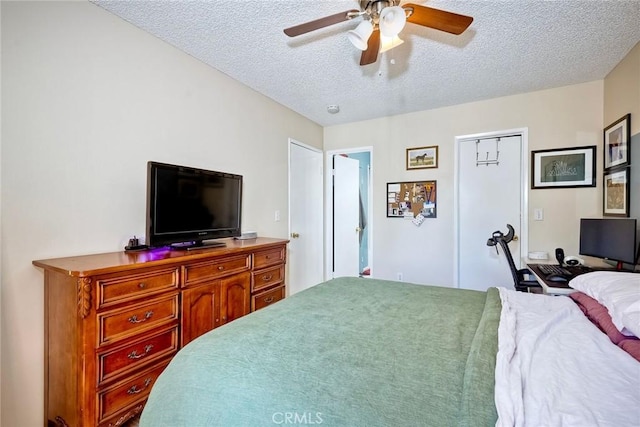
(276, 216)
(399, 277)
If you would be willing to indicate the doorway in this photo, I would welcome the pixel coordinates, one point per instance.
(491, 172)
(306, 254)
(348, 213)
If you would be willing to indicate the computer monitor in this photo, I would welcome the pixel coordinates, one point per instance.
(614, 239)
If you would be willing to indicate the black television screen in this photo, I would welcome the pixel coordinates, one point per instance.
(609, 238)
(186, 205)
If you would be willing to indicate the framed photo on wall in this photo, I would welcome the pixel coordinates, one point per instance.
(616, 193)
(616, 143)
(563, 168)
(422, 157)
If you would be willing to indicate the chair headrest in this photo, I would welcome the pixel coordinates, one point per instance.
(499, 235)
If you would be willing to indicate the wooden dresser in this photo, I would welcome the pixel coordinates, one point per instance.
(114, 321)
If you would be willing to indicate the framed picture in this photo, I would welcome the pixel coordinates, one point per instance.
(563, 168)
(616, 143)
(616, 193)
(408, 199)
(422, 157)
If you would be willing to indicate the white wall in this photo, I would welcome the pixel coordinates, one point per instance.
(87, 100)
(0, 220)
(622, 96)
(562, 117)
(622, 91)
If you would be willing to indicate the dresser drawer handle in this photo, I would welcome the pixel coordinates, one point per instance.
(135, 390)
(134, 354)
(147, 316)
(268, 300)
(267, 277)
(142, 285)
(220, 267)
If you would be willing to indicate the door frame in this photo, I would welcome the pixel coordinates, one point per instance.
(524, 194)
(329, 207)
(291, 142)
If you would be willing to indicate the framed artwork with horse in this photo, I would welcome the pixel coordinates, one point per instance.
(422, 157)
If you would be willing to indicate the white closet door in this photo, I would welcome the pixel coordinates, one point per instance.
(489, 198)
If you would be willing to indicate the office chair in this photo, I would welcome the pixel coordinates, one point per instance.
(520, 280)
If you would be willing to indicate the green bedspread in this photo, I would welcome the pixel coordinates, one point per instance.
(347, 352)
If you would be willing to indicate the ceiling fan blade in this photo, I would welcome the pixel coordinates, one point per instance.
(439, 19)
(321, 23)
(370, 55)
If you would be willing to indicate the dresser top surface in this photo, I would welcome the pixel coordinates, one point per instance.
(90, 265)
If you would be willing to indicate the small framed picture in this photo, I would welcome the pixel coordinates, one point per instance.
(563, 168)
(616, 143)
(422, 157)
(616, 193)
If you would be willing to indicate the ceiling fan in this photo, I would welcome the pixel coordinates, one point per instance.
(384, 19)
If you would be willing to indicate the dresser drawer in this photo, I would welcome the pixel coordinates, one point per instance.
(268, 257)
(267, 298)
(268, 277)
(195, 273)
(124, 395)
(111, 290)
(115, 362)
(118, 324)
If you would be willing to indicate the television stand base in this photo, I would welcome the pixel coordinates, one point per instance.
(193, 246)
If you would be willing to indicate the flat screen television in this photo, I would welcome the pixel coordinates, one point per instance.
(186, 206)
(614, 239)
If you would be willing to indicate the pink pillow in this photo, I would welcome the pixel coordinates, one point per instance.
(631, 346)
(599, 316)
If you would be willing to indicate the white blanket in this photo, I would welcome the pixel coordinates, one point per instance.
(555, 368)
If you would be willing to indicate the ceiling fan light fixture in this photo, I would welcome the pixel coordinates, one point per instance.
(387, 43)
(360, 36)
(392, 20)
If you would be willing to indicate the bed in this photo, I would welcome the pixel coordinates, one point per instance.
(354, 351)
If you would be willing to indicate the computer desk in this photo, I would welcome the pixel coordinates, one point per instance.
(548, 288)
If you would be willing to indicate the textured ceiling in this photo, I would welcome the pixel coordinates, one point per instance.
(511, 47)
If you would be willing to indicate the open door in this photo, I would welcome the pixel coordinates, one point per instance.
(346, 216)
(306, 258)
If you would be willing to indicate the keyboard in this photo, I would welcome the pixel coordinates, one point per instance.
(554, 269)
(569, 271)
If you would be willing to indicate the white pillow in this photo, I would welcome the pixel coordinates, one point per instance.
(619, 292)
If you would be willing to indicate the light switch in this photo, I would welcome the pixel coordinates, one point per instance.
(538, 214)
